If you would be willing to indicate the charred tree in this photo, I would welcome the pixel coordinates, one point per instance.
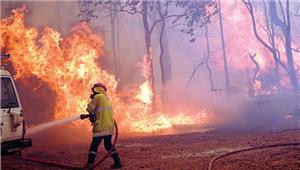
(88, 12)
(285, 25)
(205, 61)
(198, 16)
(212, 86)
(192, 11)
(132, 8)
(149, 57)
(114, 40)
(275, 52)
(271, 46)
(85, 10)
(165, 61)
(202, 61)
(118, 49)
(164, 56)
(251, 81)
(227, 81)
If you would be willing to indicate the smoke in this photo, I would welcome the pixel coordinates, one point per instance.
(51, 124)
(236, 111)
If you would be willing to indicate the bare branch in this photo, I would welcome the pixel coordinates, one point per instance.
(274, 16)
(270, 48)
(265, 29)
(250, 9)
(283, 16)
(288, 15)
(251, 81)
(256, 70)
(122, 9)
(202, 61)
(296, 50)
(270, 29)
(164, 18)
(210, 75)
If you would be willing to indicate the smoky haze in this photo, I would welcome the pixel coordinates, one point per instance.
(276, 105)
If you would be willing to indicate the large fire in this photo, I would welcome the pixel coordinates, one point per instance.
(68, 65)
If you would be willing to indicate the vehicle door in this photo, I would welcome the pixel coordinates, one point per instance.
(11, 111)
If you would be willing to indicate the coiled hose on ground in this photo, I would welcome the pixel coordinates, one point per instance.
(210, 166)
(73, 166)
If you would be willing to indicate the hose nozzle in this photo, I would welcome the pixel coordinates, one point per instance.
(84, 116)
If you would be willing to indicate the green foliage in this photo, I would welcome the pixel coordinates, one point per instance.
(197, 14)
(193, 14)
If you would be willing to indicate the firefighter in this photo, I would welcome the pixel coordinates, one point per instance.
(100, 109)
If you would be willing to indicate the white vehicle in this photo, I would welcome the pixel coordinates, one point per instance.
(12, 126)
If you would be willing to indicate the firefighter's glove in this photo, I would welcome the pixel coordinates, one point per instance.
(92, 118)
(84, 116)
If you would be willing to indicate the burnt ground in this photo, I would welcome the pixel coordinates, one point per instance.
(180, 151)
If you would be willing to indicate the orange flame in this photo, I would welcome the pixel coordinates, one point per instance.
(69, 65)
(145, 95)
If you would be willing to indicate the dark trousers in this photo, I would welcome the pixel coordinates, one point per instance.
(107, 144)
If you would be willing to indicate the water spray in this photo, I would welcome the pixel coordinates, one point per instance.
(71, 166)
(48, 125)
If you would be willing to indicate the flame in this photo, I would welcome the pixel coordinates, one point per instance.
(145, 95)
(240, 41)
(66, 65)
(145, 91)
(70, 65)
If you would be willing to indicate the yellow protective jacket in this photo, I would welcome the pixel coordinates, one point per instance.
(102, 107)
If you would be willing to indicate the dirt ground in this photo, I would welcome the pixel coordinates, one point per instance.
(180, 151)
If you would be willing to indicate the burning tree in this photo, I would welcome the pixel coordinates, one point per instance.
(227, 81)
(68, 65)
(191, 12)
(133, 8)
(87, 14)
(271, 41)
(269, 70)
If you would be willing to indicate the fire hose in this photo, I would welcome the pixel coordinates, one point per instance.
(73, 166)
(210, 166)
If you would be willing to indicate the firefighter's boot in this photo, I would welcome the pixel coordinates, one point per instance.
(88, 167)
(117, 161)
(90, 162)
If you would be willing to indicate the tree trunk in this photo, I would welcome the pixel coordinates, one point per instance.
(251, 91)
(149, 57)
(118, 50)
(273, 49)
(167, 59)
(227, 83)
(285, 26)
(113, 19)
(290, 61)
(270, 45)
(212, 86)
(289, 53)
(164, 57)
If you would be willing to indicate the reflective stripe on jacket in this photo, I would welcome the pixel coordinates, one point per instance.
(102, 107)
